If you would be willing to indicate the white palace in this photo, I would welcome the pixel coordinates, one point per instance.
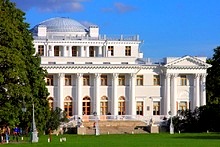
(89, 72)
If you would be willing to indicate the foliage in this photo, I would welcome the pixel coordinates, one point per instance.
(56, 116)
(213, 78)
(21, 77)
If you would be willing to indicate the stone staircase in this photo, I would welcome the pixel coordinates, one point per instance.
(116, 127)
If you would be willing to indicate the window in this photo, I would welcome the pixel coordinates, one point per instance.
(121, 106)
(68, 106)
(50, 101)
(41, 50)
(56, 51)
(104, 80)
(127, 50)
(104, 105)
(121, 80)
(183, 80)
(86, 80)
(140, 80)
(91, 51)
(74, 51)
(86, 106)
(139, 108)
(49, 80)
(183, 106)
(111, 49)
(156, 80)
(156, 108)
(68, 80)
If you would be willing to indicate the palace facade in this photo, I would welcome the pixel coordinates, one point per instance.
(89, 72)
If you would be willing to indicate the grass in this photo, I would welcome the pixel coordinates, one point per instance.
(127, 140)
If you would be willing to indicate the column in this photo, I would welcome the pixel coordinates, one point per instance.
(60, 90)
(87, 51)
(173, 94)
(132, 99)
(114, 94)
(196, 99)
(99, 51)
(203, 89)
(96, 93)
(82, 51)
(79, 93)
(51, 50)
(167, 94)
(65, 53)
(69, 51)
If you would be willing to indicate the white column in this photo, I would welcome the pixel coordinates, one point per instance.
(82, 52)
(51, 51)
(167, 94)
(60, 90)
(203, 90)
(132, 100)
(70, 51)
(79, 93)
(173, 94)
(196, 91)
(65, 53)
(87, 51)
(99, 51)
(114, 94)
(96, 93)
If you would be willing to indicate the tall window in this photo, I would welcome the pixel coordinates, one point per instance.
(156, 80)
(86, 80)
(104, 80)
(127, 50)
(121, 106)
(183, 80)
(140, 80)
(41, 50)
(74, 51)
(139, 108)
(50, 101)
(183, 106)
(121, 80)
(156, 108)
(111, 49)
(68, 106)
(56, 51)
(68, 80)
(104, 105)
(91, 51)
(49, 80)
(86, 106)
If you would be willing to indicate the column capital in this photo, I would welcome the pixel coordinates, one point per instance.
(61, 75)
(79, 75)
(97, 75)
(204, 75)
(174, 75)
(167, 75)
(115, 75)
(132, 75)
(197, 75)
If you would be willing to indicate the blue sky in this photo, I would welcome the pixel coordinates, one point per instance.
(168, 27)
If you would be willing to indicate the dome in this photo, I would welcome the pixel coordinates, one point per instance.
(61, 24)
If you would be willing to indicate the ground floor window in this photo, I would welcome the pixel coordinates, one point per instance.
(121, 106)
(183, 106)
(139, 108)
(156, 108)
(86, 106)
(68, 107)
(104, 105)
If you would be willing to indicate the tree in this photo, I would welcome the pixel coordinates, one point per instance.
(21, 77)
(213, 78)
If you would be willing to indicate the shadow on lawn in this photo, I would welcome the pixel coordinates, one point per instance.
(216, 136)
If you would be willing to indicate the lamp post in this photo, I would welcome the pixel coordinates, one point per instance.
(96, 124)
(34, 137)
(171, 123)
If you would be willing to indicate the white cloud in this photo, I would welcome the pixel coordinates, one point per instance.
(51, 5)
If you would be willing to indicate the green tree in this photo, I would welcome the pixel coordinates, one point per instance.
(21, 77)
(213, 78)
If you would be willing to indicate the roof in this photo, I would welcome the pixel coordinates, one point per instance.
(61, 24)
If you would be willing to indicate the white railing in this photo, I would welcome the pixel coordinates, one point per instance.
(155, 119)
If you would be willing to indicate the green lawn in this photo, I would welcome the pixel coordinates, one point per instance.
(128, 140)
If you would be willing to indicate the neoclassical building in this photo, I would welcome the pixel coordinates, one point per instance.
(89, 72)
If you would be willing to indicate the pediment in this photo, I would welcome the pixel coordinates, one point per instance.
(187, 61)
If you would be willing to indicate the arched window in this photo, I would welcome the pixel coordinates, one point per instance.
(50, 101)
(68, 107)
(121, 105)
(104, 105)
(86, 105)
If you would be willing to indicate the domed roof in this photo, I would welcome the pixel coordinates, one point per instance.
(61, 24)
